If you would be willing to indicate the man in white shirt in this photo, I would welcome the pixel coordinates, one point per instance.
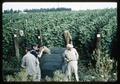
(31, 63)
(71, 58)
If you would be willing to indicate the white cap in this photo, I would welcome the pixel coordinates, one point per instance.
(69, 45)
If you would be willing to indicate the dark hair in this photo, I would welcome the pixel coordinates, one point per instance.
(40, 46)
(28, 48)
(34, 45)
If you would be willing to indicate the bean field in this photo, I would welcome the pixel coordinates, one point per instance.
(83, 26)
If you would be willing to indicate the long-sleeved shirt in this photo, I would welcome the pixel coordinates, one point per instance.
(31, 63)
(71, 55)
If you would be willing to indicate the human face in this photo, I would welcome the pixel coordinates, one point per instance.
(35, 47)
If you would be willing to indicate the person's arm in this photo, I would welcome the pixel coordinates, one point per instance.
(65, 57)
(76, 53)
(40, 53)
(23, 65)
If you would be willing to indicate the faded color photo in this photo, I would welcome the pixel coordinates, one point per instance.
(59, 41)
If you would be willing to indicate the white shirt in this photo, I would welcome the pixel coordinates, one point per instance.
(31, 63)
(71, 54)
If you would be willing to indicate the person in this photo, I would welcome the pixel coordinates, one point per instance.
(71, 57)
(31, 64)
(34, 50)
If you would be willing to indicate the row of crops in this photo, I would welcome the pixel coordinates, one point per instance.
(83, 26)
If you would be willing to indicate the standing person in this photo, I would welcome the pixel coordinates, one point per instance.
(31, 63)
(37, 51)
(71, 57)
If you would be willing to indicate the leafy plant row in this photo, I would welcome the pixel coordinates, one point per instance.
(83, 26)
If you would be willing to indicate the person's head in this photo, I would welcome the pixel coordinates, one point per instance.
(35, 46)
(69, 46)
(40, 47)
(27, 49)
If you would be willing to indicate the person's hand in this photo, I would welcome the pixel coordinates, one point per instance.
(67, 60)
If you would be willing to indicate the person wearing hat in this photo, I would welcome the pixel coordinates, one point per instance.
(71, 57)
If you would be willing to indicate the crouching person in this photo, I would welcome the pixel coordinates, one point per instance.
(71, 57)
(31, 64)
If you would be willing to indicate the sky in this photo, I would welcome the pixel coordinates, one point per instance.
(73, 5)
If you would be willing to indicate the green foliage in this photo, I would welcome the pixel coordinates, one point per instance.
(58, 76)
(20, 76)
(47, 10)
(47, 78)
(52, 25)
(102, 74)
(83, 26)
(105, 66)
